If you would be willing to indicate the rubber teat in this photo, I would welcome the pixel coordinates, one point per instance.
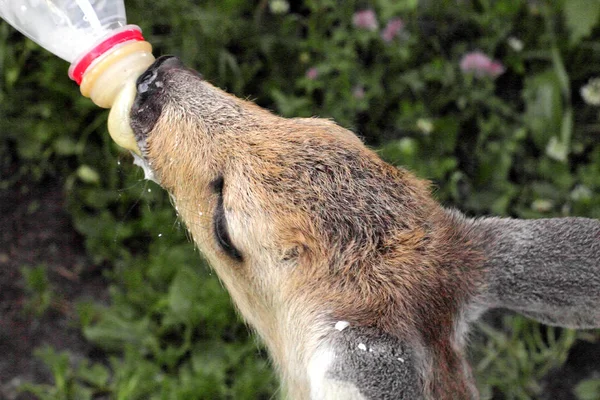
(119, 122)
(107, 75)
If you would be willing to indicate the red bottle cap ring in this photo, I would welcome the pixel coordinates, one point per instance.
(78, 69)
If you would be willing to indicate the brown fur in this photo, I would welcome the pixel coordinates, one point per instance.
(328, 230)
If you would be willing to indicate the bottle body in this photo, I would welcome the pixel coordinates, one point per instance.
(67, 28)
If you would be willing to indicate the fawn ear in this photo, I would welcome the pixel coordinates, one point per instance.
(547, 269)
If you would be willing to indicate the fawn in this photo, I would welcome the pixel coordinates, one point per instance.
(359, 283)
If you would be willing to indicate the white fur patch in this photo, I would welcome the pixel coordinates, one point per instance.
(323, 388)
(339, 390)
(317, 368)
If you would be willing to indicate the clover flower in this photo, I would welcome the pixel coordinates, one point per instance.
(425, 125)
(365, 19)
(279, 6)
(591, 92)
(392, 29)
(515, 44)
(312, 73)
(481, 65)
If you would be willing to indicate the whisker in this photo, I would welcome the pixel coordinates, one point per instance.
(131, 208)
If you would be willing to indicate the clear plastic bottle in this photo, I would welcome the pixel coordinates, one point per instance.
(105, 53)
(67, 28)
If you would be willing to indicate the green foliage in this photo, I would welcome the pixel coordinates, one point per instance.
(64, 387)
(517, 358)
(524, 144)
(581, 17)
(39, 289)
(588, 389)
(134, 377)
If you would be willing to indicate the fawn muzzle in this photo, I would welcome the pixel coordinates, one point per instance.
(152, 94)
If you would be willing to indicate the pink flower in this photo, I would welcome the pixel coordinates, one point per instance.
(312, 73)
(392, 29)
(365, 19)
(358, 92)
(496, 69)
(481, 65)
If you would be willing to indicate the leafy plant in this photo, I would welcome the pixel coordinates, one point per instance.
(39, 289)
(517, 357)
(588, 389)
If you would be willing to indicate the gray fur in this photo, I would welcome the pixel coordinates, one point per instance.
(546, 269)
(385, 368)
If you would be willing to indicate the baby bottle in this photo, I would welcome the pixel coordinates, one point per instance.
(105, 53)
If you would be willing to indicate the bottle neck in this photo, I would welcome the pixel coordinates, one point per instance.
(108, 75)
(110, 81)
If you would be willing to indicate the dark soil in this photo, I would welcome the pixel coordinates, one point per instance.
(583, 362)
(35, 230)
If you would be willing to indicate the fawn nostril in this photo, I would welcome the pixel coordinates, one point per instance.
(148, 81)
(153, 87)
(144, 81)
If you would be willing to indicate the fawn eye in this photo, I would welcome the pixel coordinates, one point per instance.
(220, 228)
